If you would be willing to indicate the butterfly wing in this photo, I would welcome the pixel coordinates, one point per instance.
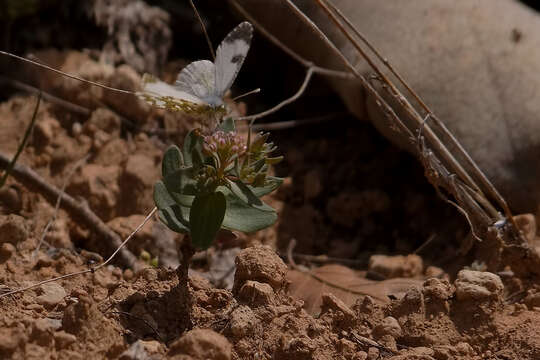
(165, 96)
(199, 80)
(230, 56)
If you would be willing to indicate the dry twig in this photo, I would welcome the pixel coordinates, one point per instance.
(77, 210)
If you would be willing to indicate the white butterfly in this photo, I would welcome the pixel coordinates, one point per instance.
(201, 86)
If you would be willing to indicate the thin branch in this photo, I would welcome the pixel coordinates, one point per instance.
(67, 179)
(287, 50)
(289, 124)
(27, 133)
(76, 209)
(252, 118)
(203, 29)
(66, 74)
(91, 270)
(46, 96)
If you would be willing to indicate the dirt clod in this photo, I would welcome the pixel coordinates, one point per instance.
(478, 285)
(13, 229)
(51, 295)
(259, 263)
(201, 344)
(388, 326)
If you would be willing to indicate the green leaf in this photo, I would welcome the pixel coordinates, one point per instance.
(170, 213)
(272, 183)
(182, 181)
(242, 217)
(274, 160)
(172, 160)
(227, 125)
(192, 149)
(205, 218)
(244, 193)
(257, 165)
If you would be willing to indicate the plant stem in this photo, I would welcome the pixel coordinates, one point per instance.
(182, 271)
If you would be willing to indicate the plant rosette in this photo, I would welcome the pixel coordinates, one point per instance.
(216, 182)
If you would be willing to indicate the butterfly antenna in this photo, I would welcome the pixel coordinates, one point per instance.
(255, 91)
(66, 74)
(204, 30)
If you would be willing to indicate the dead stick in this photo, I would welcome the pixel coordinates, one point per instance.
(78, 210)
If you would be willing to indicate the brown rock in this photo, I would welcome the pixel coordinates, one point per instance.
(478, 285)
(99, 186)
(114, 152)
(396, 266)
(256, 293)
(105, 120)
(527, 224)
(140, 173)
(202, 344)
(243, 321)
(262, 264)
(13, 229)
(52, 294)
(63, 339)
(6, 251)
(388, 326)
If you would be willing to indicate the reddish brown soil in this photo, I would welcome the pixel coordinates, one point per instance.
(270, 311)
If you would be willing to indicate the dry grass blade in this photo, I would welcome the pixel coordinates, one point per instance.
(27, 133)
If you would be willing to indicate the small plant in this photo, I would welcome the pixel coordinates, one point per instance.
(216, 182)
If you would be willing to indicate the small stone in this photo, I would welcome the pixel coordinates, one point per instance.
(6, 251)
(34, 307)
(10, 199)
(262, 264)
(341, 312)
(396, 266)
(152, 346)
(43, 260)
(527, 224)
(243, 321)
(257, 293)
(388, 326)
(13, 229)
(478, 285)
(202, 344)
(63, 339)
(373, 353)
(76, 129)
(437, 289)
(532, 299)
(52, 294)
(360, 355)
(98, 184)
(128, 274)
